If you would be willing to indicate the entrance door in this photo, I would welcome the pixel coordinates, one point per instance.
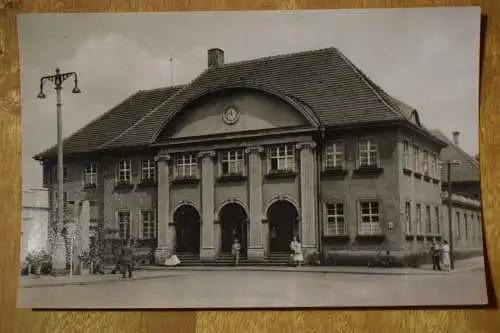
(187, 230)
(233, 222)
(283, 225)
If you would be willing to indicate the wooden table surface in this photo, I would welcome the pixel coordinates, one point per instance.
(17, 320)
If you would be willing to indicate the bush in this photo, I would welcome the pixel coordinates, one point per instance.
(37, 259)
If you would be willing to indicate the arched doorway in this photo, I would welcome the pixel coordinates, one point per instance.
(233, 224)
(283, 225)
(187, 230)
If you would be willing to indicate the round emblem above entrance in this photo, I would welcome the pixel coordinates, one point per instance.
(230, 116)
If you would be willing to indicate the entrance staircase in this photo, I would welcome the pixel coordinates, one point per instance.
(226, 259)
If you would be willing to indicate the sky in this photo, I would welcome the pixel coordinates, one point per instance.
(427, 57)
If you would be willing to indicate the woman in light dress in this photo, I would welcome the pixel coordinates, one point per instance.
(296, 248)
(445, 256)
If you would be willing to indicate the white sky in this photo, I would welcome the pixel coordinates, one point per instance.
(427, 57)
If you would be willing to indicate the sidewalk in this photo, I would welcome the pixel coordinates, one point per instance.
(156, 272)
(461, 266)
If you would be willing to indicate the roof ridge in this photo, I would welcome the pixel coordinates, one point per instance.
(93, 121)
(463, 152)
(149, 113)
(279, 56)
(366, 81)
(161, 88)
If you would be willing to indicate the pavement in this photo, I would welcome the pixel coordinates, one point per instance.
(217, 289)
(157, 272)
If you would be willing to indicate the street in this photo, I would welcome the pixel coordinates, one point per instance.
(223, 289)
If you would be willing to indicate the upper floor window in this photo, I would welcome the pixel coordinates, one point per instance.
(90, 177)
(124, 171)
(370, 218)
(124, 224)
(406, 154)
(426, 162)
(334, 155)
(232, 162)
(416, 158)
(428, 220)
(148, 225)
(186, 166)
(434, 166)
(148, 170)
(418, 217)
(282, 158)
(409, 226)
(438, 220)
(335, 221)
(368, 153)
(438, 167)
(459, 229)
(466, 227)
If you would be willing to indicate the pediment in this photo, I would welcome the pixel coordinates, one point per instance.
(233, 111)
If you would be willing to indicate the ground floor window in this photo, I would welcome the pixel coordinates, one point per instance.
(335, 220)
(148, 225)
(124, 224)
(370, 219)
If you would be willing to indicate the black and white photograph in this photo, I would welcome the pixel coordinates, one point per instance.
(251, 159)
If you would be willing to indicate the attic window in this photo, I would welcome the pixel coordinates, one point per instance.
(414, 118)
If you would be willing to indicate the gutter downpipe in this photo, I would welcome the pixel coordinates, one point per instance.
(318, 188)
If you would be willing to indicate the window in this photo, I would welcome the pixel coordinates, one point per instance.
(124, 224)
(428, 220)
(90, 177)
(148, 225)
(282, 158)
(232, 162)
(334, 155)
(65, 173)
(186, 166)
(148, 170)
(416, 158)
(335, 223)
(459, 230)
(124, 171)
(426, 161)
(370, 218)
(368, 153)
(409, 227)
(438, 168)
(418, 218)
(466, 227)
(406, 154)
(438, 220)
(473, 224)
(434, 167)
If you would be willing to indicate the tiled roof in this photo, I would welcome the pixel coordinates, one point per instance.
(467, 171)
(114, 122)
(325, 80)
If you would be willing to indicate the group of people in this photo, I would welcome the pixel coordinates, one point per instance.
(295, 249)
(441, 256)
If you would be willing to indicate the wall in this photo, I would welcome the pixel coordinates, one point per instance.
(34, 224)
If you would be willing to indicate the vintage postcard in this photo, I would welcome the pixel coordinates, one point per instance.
(268, 159)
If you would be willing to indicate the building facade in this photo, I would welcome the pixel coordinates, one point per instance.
(260, 151)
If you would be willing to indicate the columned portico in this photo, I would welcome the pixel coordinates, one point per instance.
(308, 195)
(207, 204)
(165, 234)
(256, 242)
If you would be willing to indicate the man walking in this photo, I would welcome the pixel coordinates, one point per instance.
(127, 260)
(436, 256)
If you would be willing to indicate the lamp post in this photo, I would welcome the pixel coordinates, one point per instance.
(58, 79)
(449, 165)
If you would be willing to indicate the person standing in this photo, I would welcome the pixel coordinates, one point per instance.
(296, 248)
(127, 260)
(235, 251)
(445, 256)
(436, 256)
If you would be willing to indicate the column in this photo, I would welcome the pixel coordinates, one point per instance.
(256, 241)
(308, 196)
(164, 248)
(207, 204)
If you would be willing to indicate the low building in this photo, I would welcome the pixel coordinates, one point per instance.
(301, 144)
(34, 224)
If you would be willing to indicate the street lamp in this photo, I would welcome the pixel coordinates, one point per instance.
(58, 79)
(449, 165)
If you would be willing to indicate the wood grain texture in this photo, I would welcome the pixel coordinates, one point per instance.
(15, 320)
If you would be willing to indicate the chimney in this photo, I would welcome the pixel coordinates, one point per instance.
(215, 58)
(456, 135)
